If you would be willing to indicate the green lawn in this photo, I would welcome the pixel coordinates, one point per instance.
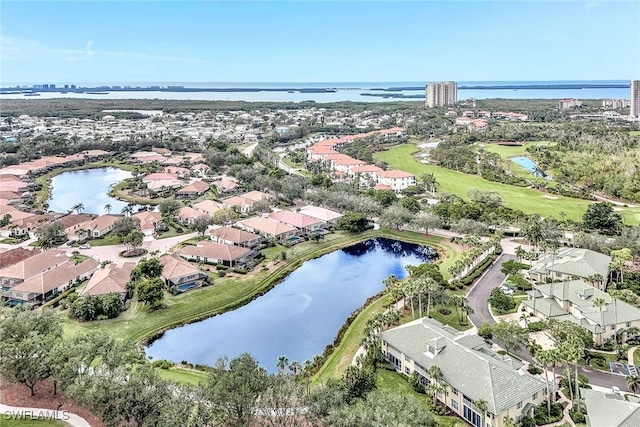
(182, 375)
(30, 423)
(452, 319)
(636, 357)
(599, 364)
(526, 199)
(343, 355)
(506, 151)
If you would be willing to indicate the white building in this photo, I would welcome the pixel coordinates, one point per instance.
(440, 94)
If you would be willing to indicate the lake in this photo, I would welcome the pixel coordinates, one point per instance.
(531, 166)
(301, 315)
(89, 187)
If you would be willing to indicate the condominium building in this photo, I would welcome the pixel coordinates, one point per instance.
(635, 99)
(440, 94)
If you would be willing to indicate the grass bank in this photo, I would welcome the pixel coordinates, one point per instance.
(31, 423)
(182, 375)
(526, 199)
(227, 294)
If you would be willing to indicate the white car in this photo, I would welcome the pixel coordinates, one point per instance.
(84, 246)
(507, 290)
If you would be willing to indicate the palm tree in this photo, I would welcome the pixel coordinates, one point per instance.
(295, 368)
(127, 210)
(282, 363)
(633, 383)
(519, 253)
(107, 208)
(409, 290)
(390, 281)
(543, 358)
(78, 208)
(482, 406)
(599, 303)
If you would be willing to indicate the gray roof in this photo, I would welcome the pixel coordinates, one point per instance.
(466, 363)
(609, 410)
(575, 262)
(581, 295)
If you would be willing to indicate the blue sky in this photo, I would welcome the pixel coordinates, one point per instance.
(333, 41)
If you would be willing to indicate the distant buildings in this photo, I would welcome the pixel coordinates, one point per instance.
(635, 99)
(441, 94)
(566, 104)
(615, 104)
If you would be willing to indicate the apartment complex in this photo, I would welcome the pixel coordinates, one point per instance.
(471, 372)
(441, 94)
(635, 99)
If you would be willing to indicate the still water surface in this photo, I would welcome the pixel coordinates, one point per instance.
(301, 315)
(89, 187)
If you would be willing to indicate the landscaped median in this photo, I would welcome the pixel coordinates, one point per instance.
(227, 294)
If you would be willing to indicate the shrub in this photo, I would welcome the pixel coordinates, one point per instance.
(500, 302)
(534, 370)
(444, 311)
(485, 331)
(577, 416)
(162, 364)
(536, 326)
(222, 273)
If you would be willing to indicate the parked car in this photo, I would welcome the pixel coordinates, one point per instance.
(507, 290)
(85, 246)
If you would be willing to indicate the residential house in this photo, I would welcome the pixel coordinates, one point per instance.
(187, 215)
(471, 372)
(208, 207)
(226, 185)
(302, 222)
(269, 228)
(44, 286)
(28, 224)
(15, 255)
(96, 227)
(28, 267)
(148, 221)
(218, 253)
(327, 215)
(201, 169)
(398, 180)
(235, 236)
(112, 278)
(244, 202)
(478, 125)
(577, 302)
(366, 175)
(70, 223)
(193, 190)
(610, 409)
(572, 263)
(175, 170)
(179, 274)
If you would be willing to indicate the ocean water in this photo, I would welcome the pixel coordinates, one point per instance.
(344, 91)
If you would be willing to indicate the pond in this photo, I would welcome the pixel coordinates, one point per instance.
(299, 316)
(89, 187)
(531, 166)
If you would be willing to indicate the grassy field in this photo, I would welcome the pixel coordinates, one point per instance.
(526, 199)
(182, 375)
(31, 423)
(138, 324)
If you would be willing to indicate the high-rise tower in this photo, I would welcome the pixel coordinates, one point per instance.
(440, 94)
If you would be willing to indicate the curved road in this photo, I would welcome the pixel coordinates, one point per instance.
(478, 300)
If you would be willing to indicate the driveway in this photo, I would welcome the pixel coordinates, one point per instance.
(478, 296)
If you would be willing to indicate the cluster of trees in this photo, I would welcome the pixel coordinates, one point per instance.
(91, 307)
(112, 378)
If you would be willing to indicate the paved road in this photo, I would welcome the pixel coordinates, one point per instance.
(478, 297)
(16, 412)
(479, 294)
(110, 253)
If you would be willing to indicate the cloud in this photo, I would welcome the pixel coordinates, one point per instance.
(19, 49)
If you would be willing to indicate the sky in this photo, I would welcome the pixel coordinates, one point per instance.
(305, 41)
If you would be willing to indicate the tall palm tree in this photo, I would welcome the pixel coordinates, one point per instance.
(295, 368)
(544, 359)
(599, 303)
(519, 253)
(107, 208)
(79, 208)
(633, 383)
(482, 406)
(282, 363)
(390, 281)
(127, 210)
